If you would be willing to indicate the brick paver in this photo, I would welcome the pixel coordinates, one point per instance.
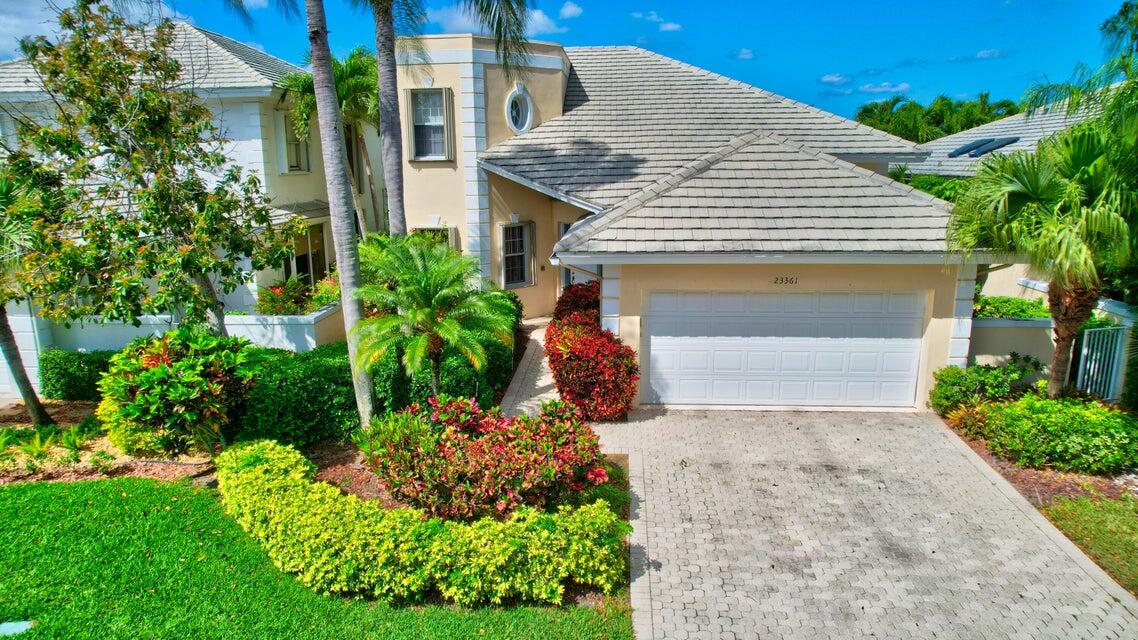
(532, 383)
(843, 525)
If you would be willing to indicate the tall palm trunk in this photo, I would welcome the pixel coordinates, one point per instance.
(1070, 308)
(390, 132)
(335, 157)
(376, 206)
(15, 362)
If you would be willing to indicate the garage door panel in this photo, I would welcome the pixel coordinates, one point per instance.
(860, 349)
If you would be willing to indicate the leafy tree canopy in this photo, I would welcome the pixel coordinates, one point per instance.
(943, 116)
(134, 207)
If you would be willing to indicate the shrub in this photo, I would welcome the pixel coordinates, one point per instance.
(72, 375)
(338, 544)
(285, 298)
(456, 461)
(457, 377)
(582, 296)
(519, 310)
(163, 394)
(324, 293)
(1009, 307)
(956, 386)
(591, 367)
(1068, 434)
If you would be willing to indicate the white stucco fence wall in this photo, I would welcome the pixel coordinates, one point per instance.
(34, 335)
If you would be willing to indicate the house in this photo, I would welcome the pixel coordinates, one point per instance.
(749, 246)
(242, 87)
(960, 154)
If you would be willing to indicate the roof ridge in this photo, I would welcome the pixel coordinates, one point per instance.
(209, 38)
(765, 92)
(705, 161)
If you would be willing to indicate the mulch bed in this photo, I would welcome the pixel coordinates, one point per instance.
(63, 411)
(1041, 487)
(342, 465)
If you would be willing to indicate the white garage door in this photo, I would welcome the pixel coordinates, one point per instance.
(820, 349)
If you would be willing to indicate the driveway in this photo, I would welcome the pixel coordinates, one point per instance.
(843, 525)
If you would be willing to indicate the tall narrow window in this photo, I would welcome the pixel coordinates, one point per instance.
(296, 150)
(517, 255)
(429, 121)
(310, 262)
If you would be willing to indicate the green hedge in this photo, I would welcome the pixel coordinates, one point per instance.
(1009, 307)
(966, 386)
(72, 375)
(1068, 434)
(339, 544)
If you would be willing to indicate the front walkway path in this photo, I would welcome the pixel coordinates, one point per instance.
(532, 383)
(843, 525)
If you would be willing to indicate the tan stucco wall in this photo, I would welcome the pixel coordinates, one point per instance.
(1004, 283)
(937, 281)
(545, 86)
(993, 344)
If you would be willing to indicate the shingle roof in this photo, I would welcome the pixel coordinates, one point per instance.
(632, 116)
(210, 61)
(764, 193)
(1029, 129)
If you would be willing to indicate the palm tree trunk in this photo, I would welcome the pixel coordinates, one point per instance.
(11, 352)
(379, 224)
(390, 131)
(435, 375)
(215, 311)
(356, 205)
(339, 195)
(1070, 308)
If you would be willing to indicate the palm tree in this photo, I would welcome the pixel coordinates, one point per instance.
(434, 300)
(505, 20)
(335, 156)
(14, 240)
(355, 77)
(1066, 207)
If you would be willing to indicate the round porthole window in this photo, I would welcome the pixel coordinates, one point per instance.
(519, 110)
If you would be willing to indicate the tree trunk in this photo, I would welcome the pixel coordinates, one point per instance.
(375, 203)
(1070, 308)
(15, 362)
(357, 207)
(215, 312)
(335, 157)
(435, 375)
(390, 130)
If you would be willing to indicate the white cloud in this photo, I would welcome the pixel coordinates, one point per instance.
(540, 24)
(989, 54)
(671, 26)
(743, 54)
(885, 87)
(453, 19)
(23, 19)
(650, 16)
(834, 79)
(570, 10)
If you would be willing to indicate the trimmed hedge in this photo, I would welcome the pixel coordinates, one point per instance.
(1068, 434)
(1009, 307)
(339, 544)
(73, 375)
(966, 386)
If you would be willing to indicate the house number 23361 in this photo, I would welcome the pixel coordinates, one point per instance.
(785, 280)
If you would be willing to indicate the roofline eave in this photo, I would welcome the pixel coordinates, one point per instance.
(785, 257)
(540, 188)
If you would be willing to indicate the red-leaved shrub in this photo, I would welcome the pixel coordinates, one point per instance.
(591, 367)
(582, 296)
(456, 461)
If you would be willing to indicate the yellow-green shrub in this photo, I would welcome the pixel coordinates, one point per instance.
(338, 543)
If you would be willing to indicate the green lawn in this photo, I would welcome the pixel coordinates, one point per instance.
(1107, 530)
(132, 558)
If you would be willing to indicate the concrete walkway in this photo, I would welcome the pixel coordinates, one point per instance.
(532, 383)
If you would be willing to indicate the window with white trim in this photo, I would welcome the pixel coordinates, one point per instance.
(519, 109)
(310, 261)
(294, 150)
(517, 255)
(430, 137)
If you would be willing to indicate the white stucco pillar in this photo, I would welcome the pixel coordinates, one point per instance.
(961, 340)
(610, 298)
(472, 125)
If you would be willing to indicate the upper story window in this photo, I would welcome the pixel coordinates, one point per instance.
(430, 123)
(517, 255)
(519, 109)
(292, 151)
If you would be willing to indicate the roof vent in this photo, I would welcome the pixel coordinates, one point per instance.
(959, 151)
(992, 146)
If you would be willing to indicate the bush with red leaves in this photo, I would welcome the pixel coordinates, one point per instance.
(583, 296)
(456, 461)
(591, 367)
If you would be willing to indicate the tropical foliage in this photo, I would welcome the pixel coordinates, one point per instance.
(943, 116)
(429, 298)
(956, 387)
(135, 207)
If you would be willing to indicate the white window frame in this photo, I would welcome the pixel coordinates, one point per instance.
(448, 125)
(284, 130)
(329, 264)
(519, 93)
(527, 254)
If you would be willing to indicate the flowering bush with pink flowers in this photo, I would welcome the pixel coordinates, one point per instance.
(457, 461)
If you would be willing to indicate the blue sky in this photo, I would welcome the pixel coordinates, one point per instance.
(833, 54)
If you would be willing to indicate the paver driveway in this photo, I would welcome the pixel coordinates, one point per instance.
(843, 525)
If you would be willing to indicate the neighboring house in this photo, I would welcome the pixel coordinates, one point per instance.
(748, 245)
(959, 156)
(241, 86)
